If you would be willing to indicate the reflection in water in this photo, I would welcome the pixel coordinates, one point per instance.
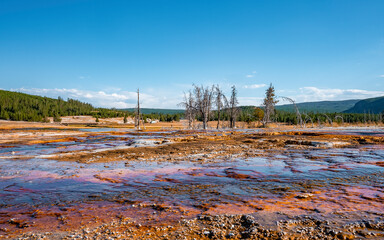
(40, 181)
(87, 143)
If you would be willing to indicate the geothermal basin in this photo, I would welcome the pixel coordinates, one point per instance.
(76, 183)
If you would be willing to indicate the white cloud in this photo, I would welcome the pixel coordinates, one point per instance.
(107, 99)
(313, 94)
(251, 75)
(168, 99)
(253, 86)
(382, 76)
(247, 101)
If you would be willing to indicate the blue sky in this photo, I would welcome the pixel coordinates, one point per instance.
(102, 51)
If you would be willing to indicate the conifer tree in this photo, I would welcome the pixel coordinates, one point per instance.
(269, 104)
(233, 110)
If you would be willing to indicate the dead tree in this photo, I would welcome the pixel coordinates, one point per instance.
(233, 110)
(137, 117)
(365, 117)
(219, 103)
(328, 118)
(298, 115)
(269, 104)
(190, 109)
(307, 117)
(227, 111)
(211, 100)
(339, 117)
(319, 122)
(203, 97)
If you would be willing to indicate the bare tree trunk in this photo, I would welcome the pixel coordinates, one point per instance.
(298, 115)
(138, 110)
(233, 108)
(190, 109)
(328, 118)
(219, 104)
(203, 98)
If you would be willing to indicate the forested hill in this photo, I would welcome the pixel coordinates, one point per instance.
(24, 107)
(320, 107)
(370, 105)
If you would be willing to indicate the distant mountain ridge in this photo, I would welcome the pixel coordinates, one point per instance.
(320, 107)
(370, 105)
(154, 110)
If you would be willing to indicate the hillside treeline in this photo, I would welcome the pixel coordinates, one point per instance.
(255, 114)
(291, 118)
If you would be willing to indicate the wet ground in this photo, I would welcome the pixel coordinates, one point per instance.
(170, 185)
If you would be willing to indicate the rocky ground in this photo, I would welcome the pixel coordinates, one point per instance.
(227, 227)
